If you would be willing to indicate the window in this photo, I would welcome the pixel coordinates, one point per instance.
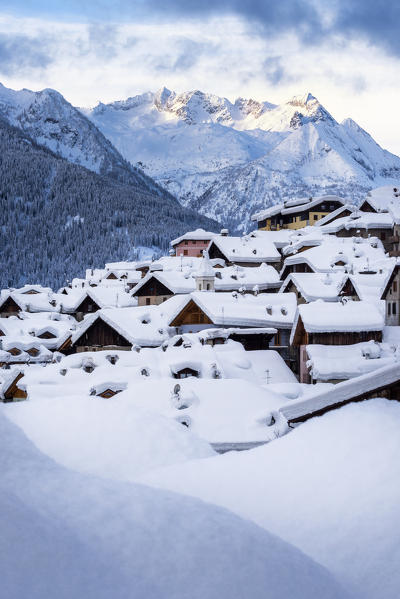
(394, 308)
(383, 236)
(185, 252)
(193, 243)
(208, 286)
(147, 301)
(394, 286)
(389, 309)
(315, 216)
(186, 242)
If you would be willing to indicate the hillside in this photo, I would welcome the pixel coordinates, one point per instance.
(58, 218)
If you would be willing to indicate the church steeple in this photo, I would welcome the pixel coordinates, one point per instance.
(205, 276)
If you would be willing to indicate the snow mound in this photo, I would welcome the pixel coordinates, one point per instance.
(111, 438)
(67, 535)
(330, 487)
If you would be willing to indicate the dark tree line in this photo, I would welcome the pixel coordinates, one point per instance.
(58, 218)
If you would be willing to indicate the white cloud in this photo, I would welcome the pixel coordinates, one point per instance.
(223, 56)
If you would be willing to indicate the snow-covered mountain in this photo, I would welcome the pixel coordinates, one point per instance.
(51, 121)
(228, 160)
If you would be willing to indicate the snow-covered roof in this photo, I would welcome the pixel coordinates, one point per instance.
(176, 281)
(293, 206)
(177, 263)
(334, 317)
(381, 198)
(306, 237)
(359, 220)
(356, 253)
(313, 286)
(139, 325)
(234, 309)
(341, 393)
(370, 287)
(339, 362)
(7, 378)
(122, 266)
(248, 248)
(335, 214)
(36, 302)
(109, 297)
(33, 288)
(229, 278)
(196, 235)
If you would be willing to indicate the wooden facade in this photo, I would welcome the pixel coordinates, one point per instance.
(108, 393)
(191, 314)
(252, 341)
(87, 306)
(298, 267)
(9, 308)
(153, 292)
(100, 335)
(215, 252)
(46, 335)
(13, 392)
(184, 373)
(391, 295)
(302, 338)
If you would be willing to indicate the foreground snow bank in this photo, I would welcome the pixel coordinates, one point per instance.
(110, 438)
(67, 535)
(330, 487)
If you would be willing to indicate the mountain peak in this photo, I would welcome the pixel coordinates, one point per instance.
(162, 96)
(303, 100)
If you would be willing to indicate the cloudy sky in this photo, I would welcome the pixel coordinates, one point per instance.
(345, 52)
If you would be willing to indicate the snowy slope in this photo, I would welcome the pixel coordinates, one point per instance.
(228, 160)
(68, 535)
(330, 487)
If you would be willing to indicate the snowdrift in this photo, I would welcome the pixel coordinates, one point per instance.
(330, 487)
(66, 535)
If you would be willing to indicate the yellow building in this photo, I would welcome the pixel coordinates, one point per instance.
(296, 214)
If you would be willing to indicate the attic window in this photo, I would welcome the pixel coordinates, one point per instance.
(145, 320)
(33, 352)
(14, 351)
(218, 275)
(269, 310)
(284, 310)
(113, 359)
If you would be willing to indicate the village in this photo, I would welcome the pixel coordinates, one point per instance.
(236, 338)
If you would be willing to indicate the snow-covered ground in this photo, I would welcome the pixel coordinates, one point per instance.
(67, 535)
(330, 487)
